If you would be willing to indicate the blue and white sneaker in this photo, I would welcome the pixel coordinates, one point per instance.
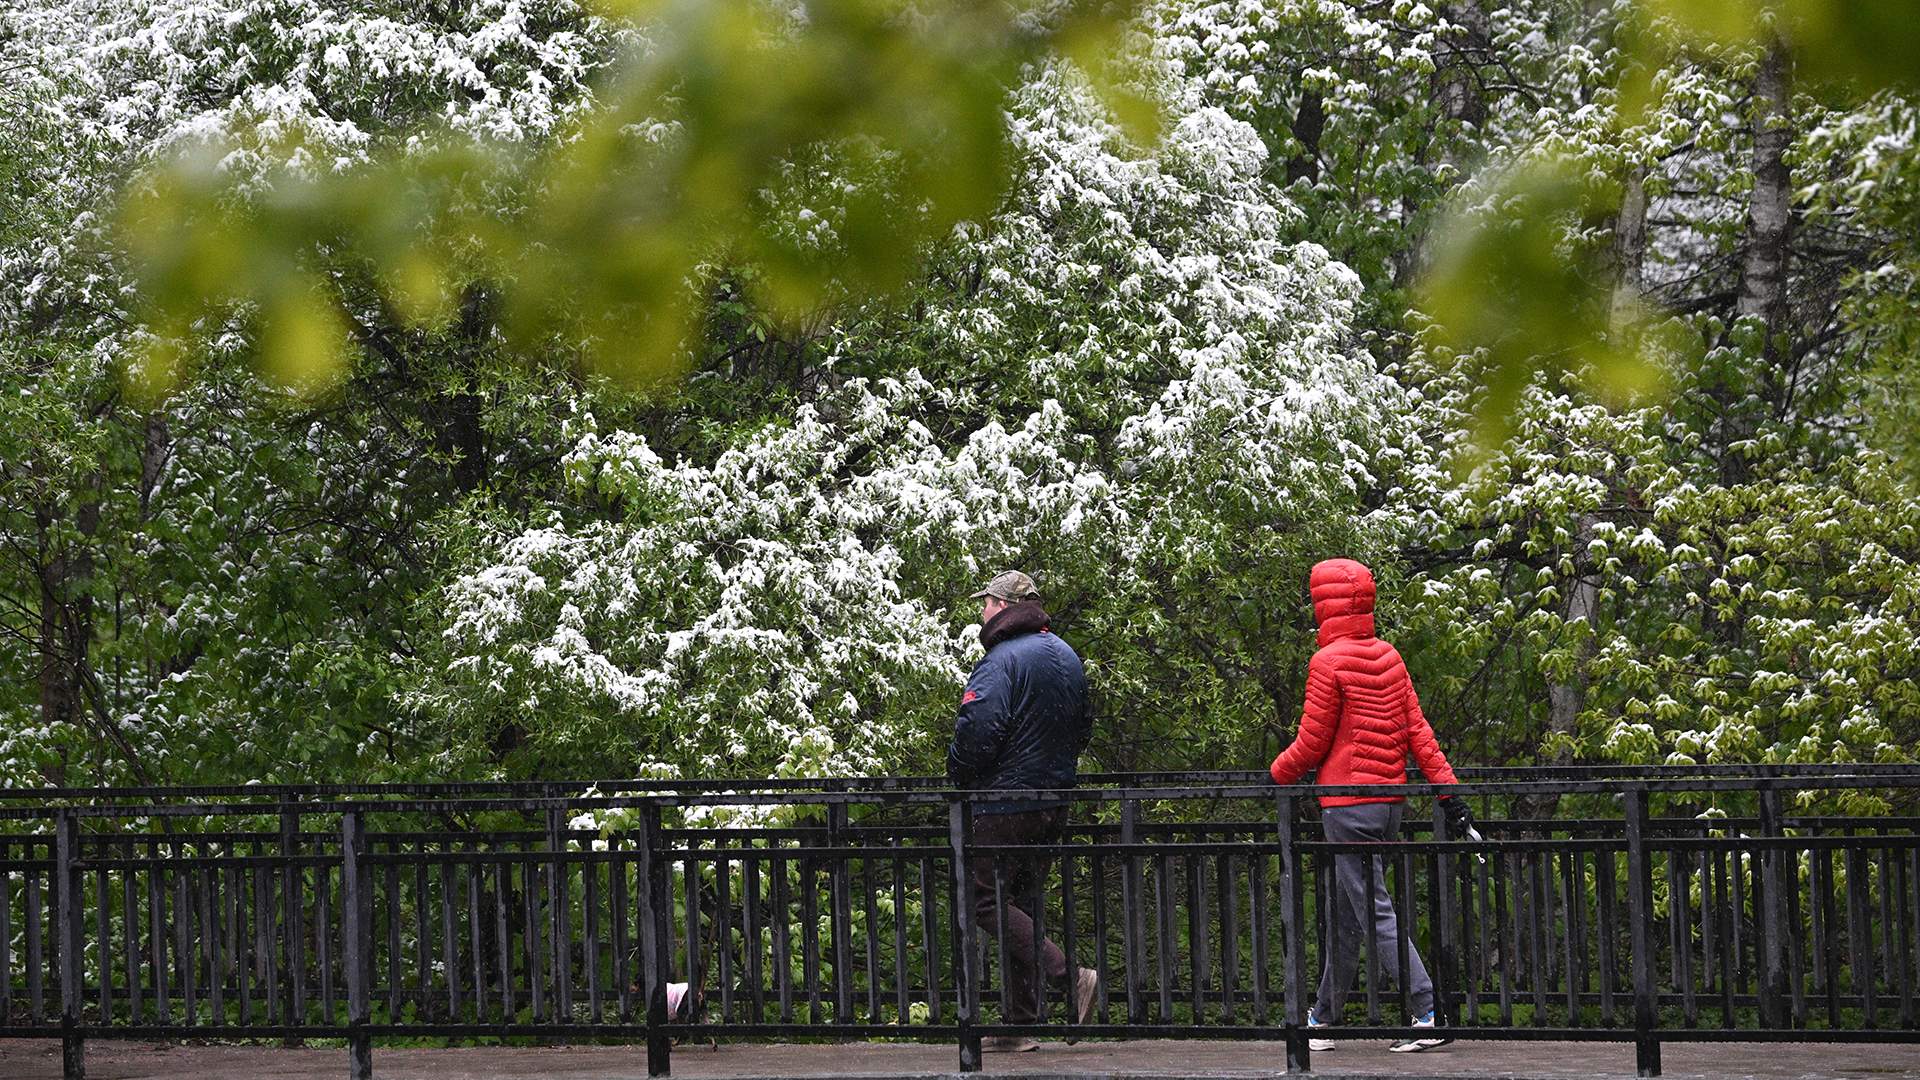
(1318, 1046)
(1420, 1042)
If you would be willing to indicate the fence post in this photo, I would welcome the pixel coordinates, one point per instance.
(1646, 1039)
(1773, 913)
(356, 941)
(1293, 914)
(68, 916)
(1444, 952)
(293, 955)
(960, 837)
(559, 931)
(1131, 891)
(840, 896)
(656, 912)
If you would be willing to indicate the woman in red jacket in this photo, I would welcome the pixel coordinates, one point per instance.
(1362, 722)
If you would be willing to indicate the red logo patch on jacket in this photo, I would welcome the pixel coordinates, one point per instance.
(969, 696)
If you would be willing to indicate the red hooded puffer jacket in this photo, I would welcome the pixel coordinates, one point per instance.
(1362, 717)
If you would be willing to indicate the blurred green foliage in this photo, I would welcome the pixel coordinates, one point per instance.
(1522, 276)
(609, 230)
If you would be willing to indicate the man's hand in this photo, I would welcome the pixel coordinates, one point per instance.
(1457, 813)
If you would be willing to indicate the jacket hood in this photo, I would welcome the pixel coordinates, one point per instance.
(1343, 595)
(1025, 617)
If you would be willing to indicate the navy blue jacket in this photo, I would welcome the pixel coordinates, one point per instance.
(1023, 717)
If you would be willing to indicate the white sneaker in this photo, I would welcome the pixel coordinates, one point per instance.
(1418, 1042)
(1318, 1046)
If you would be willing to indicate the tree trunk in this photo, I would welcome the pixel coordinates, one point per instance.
(1763, 264)
(60, 625)
(1309, 124)
(466, 430)
(1567, 699)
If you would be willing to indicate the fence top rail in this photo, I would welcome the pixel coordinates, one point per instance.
(579, 788)
(102, 803)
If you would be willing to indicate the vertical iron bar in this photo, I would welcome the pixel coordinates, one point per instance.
(182, 945)
(1293, 921)
(840, 870)
(1859, 934)
(1440, 873)
(1033, 873)
(1886, 913)
(391, 894)
(656, 914)
(238, 881)
(723, 933)
(1605, 867)
(617, 908)
(533, 951)
(103, 921)
(811, 961)
(6, 936)
(1228, 895)
(1772, 915)
(1577, 933)
(929, 920)
(209, 883)
(1000, 901)
(1257, 913)
(1163, 929)
(292, 932)
(1796, 939)
(780, 924)
(559, 919)
(476, 956)
(1069, 936)
(1681, 891)
(449, 944)
(502, 939)
(6, 939)
(1725, 877)
(868, 868)
(156, 935)
(1481, 956)
(1133, 915)
(1897, 887)
(1640, 916)
(323, 940)
(696, 958)
(1540, 928)
(900, 1004)
(1403, 933)
(356, 919)
(423, 941)
(70, 921)
(1502, 933)
(1197, 973)
(960, 838)
(590, 926)
(36, 953)
(750, 936)
(1826, 934)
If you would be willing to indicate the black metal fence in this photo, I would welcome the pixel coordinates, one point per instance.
(1662, 905)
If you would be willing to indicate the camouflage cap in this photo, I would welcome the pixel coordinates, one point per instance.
(1009, 585)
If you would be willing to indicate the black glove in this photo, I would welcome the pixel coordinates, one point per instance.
(1457, 814)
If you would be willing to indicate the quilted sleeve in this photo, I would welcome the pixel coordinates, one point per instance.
(1318, 722)
(981, 728)
(1425, 748)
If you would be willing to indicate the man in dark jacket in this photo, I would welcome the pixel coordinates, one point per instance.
(1023, 723)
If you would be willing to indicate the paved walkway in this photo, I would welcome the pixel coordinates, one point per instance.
(40, 1060)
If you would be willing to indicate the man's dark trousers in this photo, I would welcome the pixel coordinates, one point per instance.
(1020, 877)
